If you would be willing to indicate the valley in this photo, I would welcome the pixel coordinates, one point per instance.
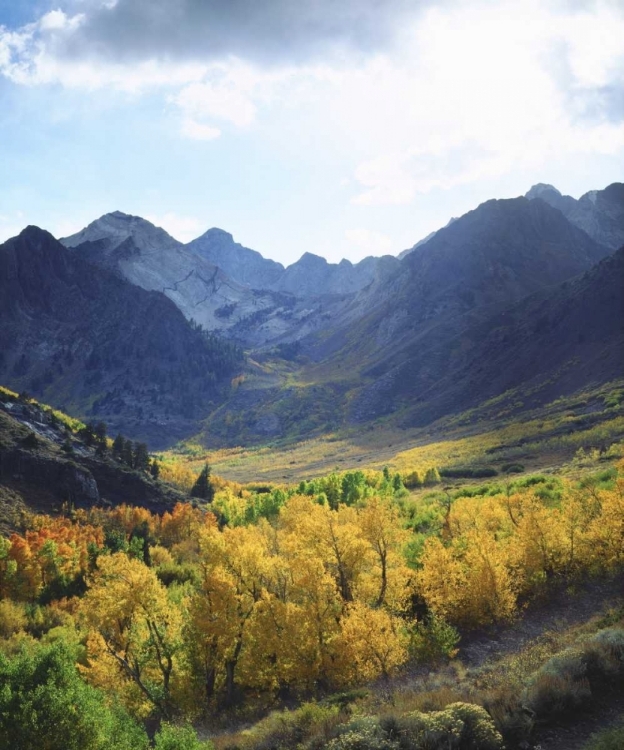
(327, 504)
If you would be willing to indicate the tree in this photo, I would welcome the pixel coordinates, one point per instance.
(45, 704)
(135, 633)
(432, 476)
(203, 488)
(141, 457)
(118, 446)
(127, 454)
(155, 469)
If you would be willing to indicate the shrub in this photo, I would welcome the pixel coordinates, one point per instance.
(172, 737)
(282, 730)
(433, 639)
(45, 704)
(512, 468)
(468, 472)
(561, 685)
(461, 726)
(607, 739)
(12, 618)
(363, 734)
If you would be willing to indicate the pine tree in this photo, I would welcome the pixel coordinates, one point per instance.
(127, 454)
(141, 457)
(118, 446)
(203, 488)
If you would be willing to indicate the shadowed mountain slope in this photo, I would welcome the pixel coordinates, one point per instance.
(88, 341)
(550, 344)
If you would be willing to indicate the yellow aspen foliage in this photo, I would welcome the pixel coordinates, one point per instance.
(372, 642)
(442, 580)
(331, 536)
(134, 634)
(388, 579)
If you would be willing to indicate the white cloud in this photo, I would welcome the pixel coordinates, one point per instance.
(464, 106)
(198, 131)
(470, 92)
(183, 228)
(224, 100)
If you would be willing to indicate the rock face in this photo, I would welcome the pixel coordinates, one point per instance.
(399, 334)
(240, 263)
(310, 276)
(424, 240)
(551, 344)
(81, 337)
(502, 251)
(600, 213)
(147, 256)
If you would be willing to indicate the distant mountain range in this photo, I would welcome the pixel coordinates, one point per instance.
(464, 313)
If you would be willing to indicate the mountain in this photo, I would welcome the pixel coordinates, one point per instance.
(600, 213)
(240, 263)
(400, 347)
(549, 345)
(310, 276)
(486, 260)
(147, 256)
(87, 340)
(411, 249)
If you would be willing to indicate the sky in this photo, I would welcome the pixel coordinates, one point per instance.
(344, 129)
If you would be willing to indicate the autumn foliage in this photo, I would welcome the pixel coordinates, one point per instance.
(182, 613)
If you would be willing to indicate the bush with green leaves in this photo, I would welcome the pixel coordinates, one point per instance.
(363, 733)
(45, 705)
(282, 730)
(567, 681)
(184, 737)
(433, 639)
(560, 686)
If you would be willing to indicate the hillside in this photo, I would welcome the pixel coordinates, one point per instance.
(44, 464)
(87, 341)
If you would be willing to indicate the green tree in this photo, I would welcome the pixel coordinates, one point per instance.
(44, 704)
(127, 454)
(172, 737)
(203, 488)
(141, 457)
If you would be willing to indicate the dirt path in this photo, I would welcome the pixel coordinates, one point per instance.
(561, 609)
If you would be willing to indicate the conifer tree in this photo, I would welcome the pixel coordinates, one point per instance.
(203, 488)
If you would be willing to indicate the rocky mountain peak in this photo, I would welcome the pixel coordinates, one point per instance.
(117, 227)
(311, 260)
(540, 189)
(214, 234)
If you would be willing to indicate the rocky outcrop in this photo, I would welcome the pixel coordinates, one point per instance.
(599, 213)
(38, 474)
(240, 263)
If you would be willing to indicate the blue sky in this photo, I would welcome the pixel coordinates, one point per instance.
(341, 129)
